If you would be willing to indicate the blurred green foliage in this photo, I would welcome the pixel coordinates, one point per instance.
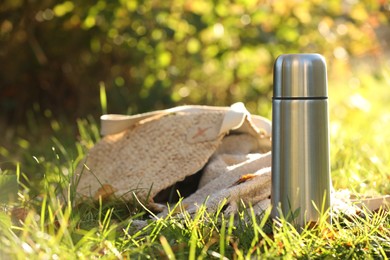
(153, 54)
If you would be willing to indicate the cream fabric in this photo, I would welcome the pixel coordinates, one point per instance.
(148, 153)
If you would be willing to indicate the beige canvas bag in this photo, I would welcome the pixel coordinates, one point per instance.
(206, 153)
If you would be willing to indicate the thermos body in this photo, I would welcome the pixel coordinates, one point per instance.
(300, 162)
(300, 138)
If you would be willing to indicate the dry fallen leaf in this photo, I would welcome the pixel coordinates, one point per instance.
(244, 178)
(104, 192)
(19, 214)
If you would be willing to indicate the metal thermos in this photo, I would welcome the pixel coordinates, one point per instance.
(300, 138)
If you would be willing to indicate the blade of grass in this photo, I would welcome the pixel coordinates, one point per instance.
(103, 97)
(222, 237)
(167, 248)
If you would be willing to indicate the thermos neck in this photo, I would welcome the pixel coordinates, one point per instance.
(299, 98)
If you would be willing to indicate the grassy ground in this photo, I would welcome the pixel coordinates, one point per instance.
(39, 224)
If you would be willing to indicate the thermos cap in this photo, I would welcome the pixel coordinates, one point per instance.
(300, 76)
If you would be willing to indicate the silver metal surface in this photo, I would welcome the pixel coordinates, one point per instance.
(300, 140)
(300, 75)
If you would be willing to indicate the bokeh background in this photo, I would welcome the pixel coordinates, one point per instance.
(57, 56)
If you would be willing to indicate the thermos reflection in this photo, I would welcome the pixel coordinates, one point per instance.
(300, 138)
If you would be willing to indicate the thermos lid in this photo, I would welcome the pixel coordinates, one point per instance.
(300, 76)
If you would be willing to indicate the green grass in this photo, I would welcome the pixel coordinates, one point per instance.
(360, 143)
(44, 221)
